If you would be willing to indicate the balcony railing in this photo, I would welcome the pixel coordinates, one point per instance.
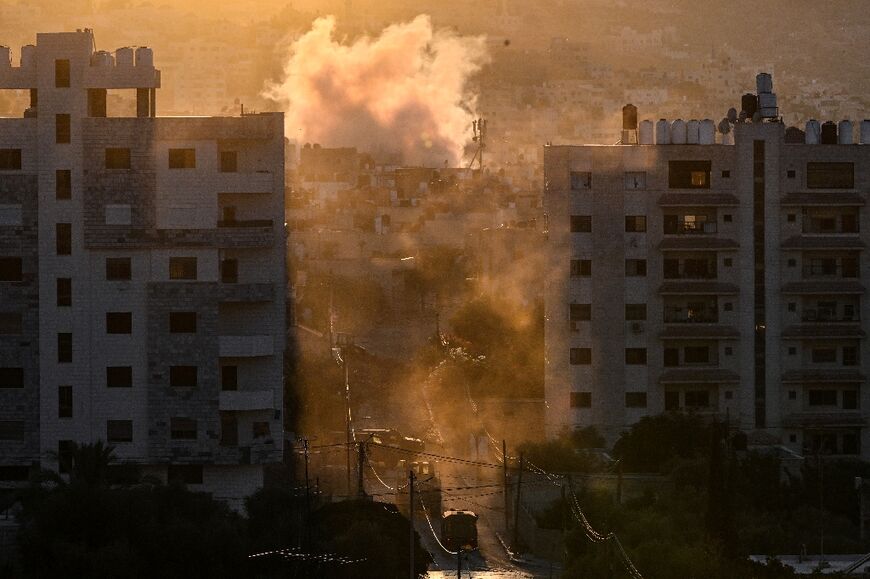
(811, 315)
(685, 318)
(689, 273)
(830, 271)
(691, 228)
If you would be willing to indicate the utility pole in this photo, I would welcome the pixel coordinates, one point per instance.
(411, 521)
(347, 432)
(504, 465)
(307, 480)
(516, 542)
(361, 462)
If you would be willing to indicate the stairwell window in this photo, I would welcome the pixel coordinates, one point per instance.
(182, 158)
(182, 268)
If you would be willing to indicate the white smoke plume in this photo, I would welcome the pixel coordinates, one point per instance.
(404, 91)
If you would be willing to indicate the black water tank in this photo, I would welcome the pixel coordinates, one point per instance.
(829, 133)
(629, 118)
(749, 103)
(794, 135)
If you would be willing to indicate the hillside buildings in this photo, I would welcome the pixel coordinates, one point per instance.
(727, 280)
(142, 275)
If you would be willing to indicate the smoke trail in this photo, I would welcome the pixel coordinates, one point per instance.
(404, 91)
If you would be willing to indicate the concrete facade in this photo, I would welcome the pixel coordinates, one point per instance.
(740, 296)
(171, 234)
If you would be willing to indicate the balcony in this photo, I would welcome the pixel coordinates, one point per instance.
(698, 376)
(241, 401)
(699, 331)
(245, 346)
(832, 376)
(830, 419)
(697, 288)
(822, 199)
(833, 242)
(698, 242)
(822, 332)
(698, 200)
(829, 286)
(245, 183)
(825, 315)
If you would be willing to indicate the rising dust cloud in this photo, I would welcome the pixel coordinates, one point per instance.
(404, 91)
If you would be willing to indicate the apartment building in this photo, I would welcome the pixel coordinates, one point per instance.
(142, 275)
(727, 280)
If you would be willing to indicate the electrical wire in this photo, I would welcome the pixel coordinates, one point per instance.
(432, 529)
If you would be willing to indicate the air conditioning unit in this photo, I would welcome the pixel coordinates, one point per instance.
(636, 328)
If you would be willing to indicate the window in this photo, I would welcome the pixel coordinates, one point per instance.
(830, 175)
(185, 474)
(791, 173)
(64, 347)
(850, 356)
(229, 161)
(729, 395)
(182, 268)
(229, 377)
(635, 399)
(581, 180)
(672, 400)
(182, 158)
(849, 223)
(61, 73)
(580, 312)
(822, 397)
(117, 158)
(182, 429)
(824, 355)
(229, 429)
(580, 399)
(729, 351)
(581, 356)
(689, 174)
(635, 356)
(697, 355)
(10, 159)
(62, 184)
(118, 268)
(119, 377)
(635, 268)
(65, 451)
(635, 223)
(727, 218)
(728, 262)
(792, 394)
(792, 306)
(119, 431)
(635, 312)
(11, 377)
(792, 262)
(791, 217)
(581, 223)
(10, 323)
(671, 357)
(63, 238)
(11, 430)
(635, 180)
(182, 322)
(14, 473)
(728, 307)
(726, 174)
(850, 399)
(62, 130)
(261, 429)
(230, 271)
(10, 269)
(697, 398)
(119, 323)
(64, 401)
(64, 292)
(792, 351)
(581, 267)
(182, 376)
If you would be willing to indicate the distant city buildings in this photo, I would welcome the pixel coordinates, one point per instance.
(726, 280)
(142, 275)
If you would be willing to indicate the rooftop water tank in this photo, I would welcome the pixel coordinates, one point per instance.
(795, 136)
(767, 105)
(763, 83)
(645, 133)
(102, 59)
(865, 132)
(707, 132)
(749, 103)
(829, 133)
(814, 132)
(28, 56)
(663, 132)
(5, 57)
(629, 117)
(678, 132)
(844, 132)
(144, 57)
(693, 132)
(732, 115)
(124, 57)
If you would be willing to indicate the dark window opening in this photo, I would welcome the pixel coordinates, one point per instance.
(185, 474)
(830, 175)
(182, 158)
(581, 223)
(64, 401)
(183, 268)
(10, 159)
(635, 267)
(63, 238)
(635, 399)
(581, 356)
(62, 129)
(64, 292)
(118, 268)
(260, 429)
(182, 428)
(635, 356)
(671, 357)
(182, 376)
(64, 347)
(697, 398)
(10, 269)
(119, 376)
(580, 312)
(230, 270)
(581, 180)
(635, 312)
(119, 322)
(11, 377)
(581, 267)
(61, 73)
(672, 400)
(65, 452)
(119, 431)
(697, 354)
(824, 355)
(11, 323)
(229, 161)
(689, 174)
(182, 322)
(229, 377)
(63, 184)
(580, 399)
(117, 158)
(850, 399)
(229, 430)
(822, 397)
(635, 223)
